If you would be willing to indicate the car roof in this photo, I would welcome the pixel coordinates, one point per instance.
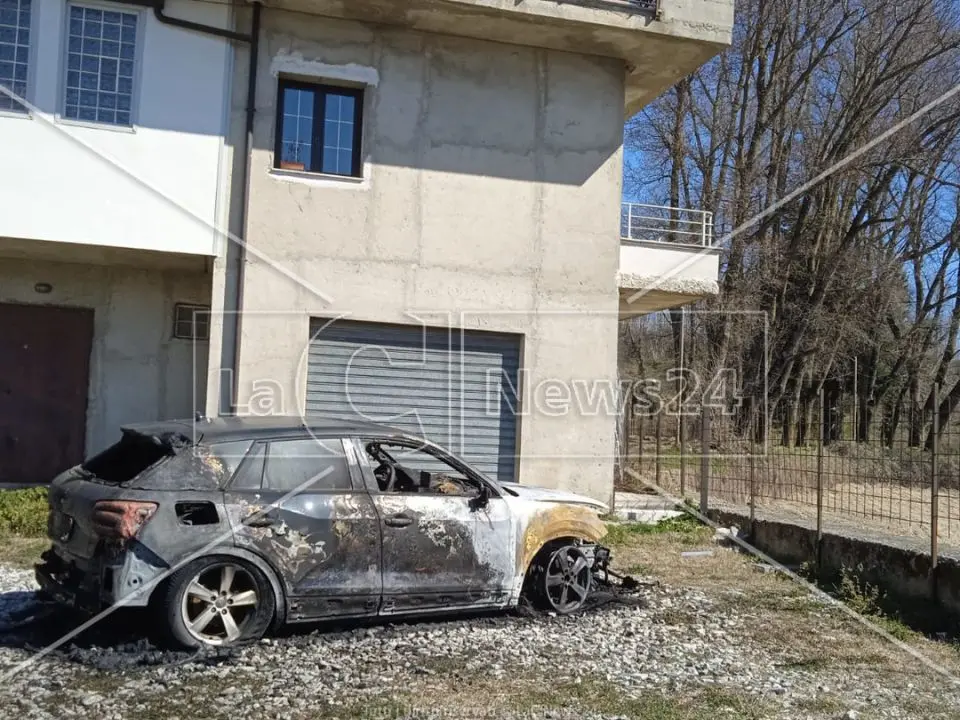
(224, 429)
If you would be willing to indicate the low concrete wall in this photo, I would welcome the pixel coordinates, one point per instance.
(902, 573)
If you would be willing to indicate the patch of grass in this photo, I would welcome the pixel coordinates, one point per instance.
(380, 707)
(599, 697)
(896, 627)
(684, 525)
(804, 604)
(23, 512)
(814, 663)
(21, 552)
(678, 616)
(823, 704)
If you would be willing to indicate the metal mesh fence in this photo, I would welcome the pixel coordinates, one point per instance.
(829, 459)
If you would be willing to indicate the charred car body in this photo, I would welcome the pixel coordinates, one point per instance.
(228, 527)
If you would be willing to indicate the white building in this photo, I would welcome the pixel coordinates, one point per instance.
(473, 184)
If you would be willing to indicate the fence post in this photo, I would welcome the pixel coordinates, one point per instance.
(640, 444)
(753, 472)
(705, 460)
(656, 474)
(683, 459)
(934, 493)
(821, 428)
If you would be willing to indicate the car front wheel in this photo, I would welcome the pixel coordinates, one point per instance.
(562, 579)
(217, 601)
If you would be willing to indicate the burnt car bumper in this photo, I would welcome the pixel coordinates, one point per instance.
(68, 584)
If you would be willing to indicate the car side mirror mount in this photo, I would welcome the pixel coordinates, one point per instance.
(482, 499)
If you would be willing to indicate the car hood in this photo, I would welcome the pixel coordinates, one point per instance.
(539, 494)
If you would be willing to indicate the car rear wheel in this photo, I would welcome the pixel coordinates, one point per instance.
(562, 579)
(217, 601)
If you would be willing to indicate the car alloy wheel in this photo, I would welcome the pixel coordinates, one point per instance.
(567, 579)
(219, 603)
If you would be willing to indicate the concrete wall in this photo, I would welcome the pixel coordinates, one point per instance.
(905, 573)
(490, 200)
(154, 186)
(138, 371)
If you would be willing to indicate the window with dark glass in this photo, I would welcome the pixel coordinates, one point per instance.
(319, 128)
(191, 322)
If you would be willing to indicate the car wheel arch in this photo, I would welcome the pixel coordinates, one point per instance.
(548, 529)
(258, 561)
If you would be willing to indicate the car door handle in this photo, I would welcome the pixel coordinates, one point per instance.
(261, 520)
(399, 520)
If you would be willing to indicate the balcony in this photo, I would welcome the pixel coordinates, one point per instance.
(667, 258)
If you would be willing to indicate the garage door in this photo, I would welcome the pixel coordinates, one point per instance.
(455, 388)
(44, 375)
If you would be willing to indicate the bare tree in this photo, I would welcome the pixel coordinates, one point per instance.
(862, 264)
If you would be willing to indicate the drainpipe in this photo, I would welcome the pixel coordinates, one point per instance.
(158, 11)
(245, 185)
(253, 38)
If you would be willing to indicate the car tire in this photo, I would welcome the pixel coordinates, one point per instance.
(555, 583)
(214, 602)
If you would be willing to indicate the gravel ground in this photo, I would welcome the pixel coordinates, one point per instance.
(678, 646)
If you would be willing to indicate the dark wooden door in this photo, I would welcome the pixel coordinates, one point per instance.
(44, 376)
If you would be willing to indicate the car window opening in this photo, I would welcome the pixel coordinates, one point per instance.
(197, 513)
(403, 469)
(127, 458)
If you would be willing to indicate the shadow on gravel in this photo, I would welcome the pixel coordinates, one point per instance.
(121, 641)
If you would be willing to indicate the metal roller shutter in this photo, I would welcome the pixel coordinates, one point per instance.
(454, 388)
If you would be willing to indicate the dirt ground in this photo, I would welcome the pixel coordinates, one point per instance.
(787, 619)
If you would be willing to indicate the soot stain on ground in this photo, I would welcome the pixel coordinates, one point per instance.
(118, 643)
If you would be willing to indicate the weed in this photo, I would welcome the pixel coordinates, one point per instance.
(868, 600)
(23, 512)
(858, 595)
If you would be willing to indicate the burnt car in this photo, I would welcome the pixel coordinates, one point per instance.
(227, 528)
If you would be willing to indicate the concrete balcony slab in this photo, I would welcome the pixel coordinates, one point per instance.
(660, 41)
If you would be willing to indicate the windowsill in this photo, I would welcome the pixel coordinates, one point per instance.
(27, 115)
(93, 125)
(320, 179)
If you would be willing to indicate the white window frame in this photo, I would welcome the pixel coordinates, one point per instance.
(27, 113)
(142, 18)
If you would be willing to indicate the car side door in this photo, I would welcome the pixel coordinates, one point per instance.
(443, 547)
(301, 503)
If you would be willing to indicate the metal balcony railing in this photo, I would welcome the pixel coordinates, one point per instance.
(652, 5)
(663, 224)
(646, 4)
